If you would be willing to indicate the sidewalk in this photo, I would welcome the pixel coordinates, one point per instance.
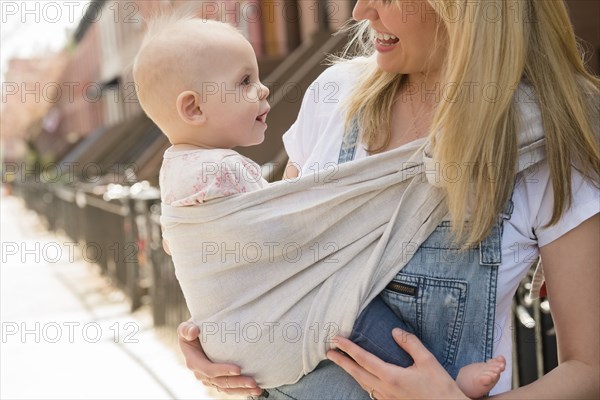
(67, 333)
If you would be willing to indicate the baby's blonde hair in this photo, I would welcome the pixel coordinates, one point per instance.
(160, 69)
(529, 41)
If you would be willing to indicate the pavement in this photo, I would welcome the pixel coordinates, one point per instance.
(67, 333)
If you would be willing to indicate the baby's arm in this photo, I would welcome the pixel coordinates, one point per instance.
(291, 171)
(165, 245)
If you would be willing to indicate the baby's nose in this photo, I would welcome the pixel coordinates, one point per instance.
(264, 92)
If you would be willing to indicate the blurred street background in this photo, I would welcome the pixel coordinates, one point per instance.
(89, 300)
(67, 332)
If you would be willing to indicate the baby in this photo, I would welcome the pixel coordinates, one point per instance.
(198, 81)
(205, 104)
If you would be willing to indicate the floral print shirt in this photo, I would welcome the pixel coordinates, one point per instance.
(191, 177)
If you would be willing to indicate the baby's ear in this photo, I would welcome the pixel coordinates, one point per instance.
(189, 108)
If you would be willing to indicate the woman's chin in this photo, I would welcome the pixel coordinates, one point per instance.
(387, 65)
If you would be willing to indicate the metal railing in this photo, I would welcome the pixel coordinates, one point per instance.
(534, 337)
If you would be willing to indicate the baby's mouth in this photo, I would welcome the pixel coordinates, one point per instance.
(263, 117)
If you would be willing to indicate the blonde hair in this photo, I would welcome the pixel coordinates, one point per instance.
(529, 41)
(148, 79)
(162, 54)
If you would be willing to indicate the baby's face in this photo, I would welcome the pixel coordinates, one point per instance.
(234, 99)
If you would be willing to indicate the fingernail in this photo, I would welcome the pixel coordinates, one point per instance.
(234, 373)
(249, 386)
(256, 392)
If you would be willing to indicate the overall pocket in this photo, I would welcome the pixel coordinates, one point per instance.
(433, 308)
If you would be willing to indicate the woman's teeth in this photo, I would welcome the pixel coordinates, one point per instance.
(386, 39)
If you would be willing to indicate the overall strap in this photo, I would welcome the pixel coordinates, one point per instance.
(349, 142)
(491, 246)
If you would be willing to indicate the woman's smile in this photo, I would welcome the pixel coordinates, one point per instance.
(385, 41)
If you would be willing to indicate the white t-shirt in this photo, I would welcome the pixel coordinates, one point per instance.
(313, 143)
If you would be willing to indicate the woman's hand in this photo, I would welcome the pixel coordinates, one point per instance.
(225, 378)
(425, 379)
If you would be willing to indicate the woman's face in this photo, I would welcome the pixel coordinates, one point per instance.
(404, 33)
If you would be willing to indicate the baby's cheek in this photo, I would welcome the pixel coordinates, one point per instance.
(251, 94)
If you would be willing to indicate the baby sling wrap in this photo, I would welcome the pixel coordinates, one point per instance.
(272, 275)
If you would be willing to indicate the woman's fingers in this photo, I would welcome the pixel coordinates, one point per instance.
(188, 331)
(195, 358)
(223, 377)
(364, 378)
(366, 368)
(237, 385)
(234, 382)
(368, 361)
(196, 361)
(241, 392)
(413, 346)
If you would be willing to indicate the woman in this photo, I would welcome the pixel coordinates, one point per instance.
(473, 78)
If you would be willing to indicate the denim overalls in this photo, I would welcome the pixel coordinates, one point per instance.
(446, 297)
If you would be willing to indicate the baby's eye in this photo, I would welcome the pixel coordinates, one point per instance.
(246, 80)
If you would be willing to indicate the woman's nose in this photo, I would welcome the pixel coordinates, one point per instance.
(364, 10)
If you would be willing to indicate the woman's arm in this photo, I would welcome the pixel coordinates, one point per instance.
(225, 378)
(572, 270)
